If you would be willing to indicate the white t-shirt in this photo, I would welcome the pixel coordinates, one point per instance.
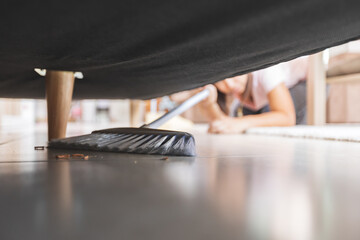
(265, 80)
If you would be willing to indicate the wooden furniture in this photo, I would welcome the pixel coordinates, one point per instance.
(316, 91)
(137, 113)
(59, 90)
(343, 99)
(343, 73)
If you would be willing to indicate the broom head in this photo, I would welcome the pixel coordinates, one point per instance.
(131, 140)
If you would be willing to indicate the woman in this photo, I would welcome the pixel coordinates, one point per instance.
(265, 96)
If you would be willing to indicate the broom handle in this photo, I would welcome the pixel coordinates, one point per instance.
(179, 109)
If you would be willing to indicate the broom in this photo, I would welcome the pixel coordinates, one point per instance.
(145, 140)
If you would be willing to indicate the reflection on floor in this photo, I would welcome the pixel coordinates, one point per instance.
(238, 187)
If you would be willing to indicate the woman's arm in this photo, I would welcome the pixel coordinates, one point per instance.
(282, 113)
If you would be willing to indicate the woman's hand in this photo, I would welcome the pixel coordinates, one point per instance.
(228, 125)
(209, 106)
(212, 98)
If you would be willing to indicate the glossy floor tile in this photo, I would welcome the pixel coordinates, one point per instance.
(238, 187)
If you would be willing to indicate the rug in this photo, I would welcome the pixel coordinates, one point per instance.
(349, 132)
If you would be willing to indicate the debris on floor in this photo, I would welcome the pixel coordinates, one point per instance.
(64, 156)
(73, 156)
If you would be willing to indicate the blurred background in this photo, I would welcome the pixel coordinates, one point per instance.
(343, 87)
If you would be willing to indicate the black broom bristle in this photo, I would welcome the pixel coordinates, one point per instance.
(132, 140)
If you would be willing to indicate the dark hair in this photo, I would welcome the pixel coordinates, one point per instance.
(221, 101)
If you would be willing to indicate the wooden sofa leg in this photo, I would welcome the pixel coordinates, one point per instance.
(59, 90)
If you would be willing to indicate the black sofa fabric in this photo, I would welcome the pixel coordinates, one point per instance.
(144, 49)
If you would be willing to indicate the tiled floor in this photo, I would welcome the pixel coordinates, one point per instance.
(238, 187)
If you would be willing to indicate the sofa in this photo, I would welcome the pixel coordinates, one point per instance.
(143, 49)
